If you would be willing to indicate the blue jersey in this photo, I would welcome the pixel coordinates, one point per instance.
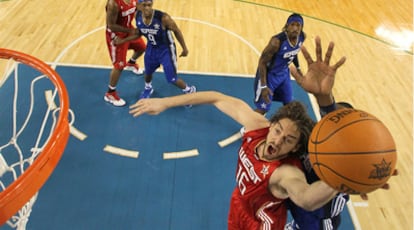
(161, 49)
(278, 74)
(157, 36)
(286, 54)
(326, 217)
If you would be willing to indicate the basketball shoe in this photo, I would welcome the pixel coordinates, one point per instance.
(134, 68)
(192, 89)
(114, 99)
(146, 93)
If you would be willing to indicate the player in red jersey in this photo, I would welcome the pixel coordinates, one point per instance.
(119, 16)
(269, 168)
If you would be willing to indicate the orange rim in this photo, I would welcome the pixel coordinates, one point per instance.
(21, 190)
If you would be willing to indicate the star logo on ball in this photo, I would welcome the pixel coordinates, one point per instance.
(381, 170)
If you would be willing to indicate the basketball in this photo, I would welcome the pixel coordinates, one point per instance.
(352, 151)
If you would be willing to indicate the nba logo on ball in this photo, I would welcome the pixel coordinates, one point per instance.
(352, 151)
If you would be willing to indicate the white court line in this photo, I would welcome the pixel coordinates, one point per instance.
(222, 29)
(76, 133)
(158, 70)
(183, 154)
(121, 151)
(360, 204)
(353, 214)
(229, 140)
(349, 204)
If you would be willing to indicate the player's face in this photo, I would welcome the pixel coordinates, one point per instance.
(283, 138)
(293, 29)
(146, 8)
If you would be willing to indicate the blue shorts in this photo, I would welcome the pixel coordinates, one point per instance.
(279, 84)
(156, 56)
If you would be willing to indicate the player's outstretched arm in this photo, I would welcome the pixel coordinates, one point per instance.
(234, 107)
(168, 22)
(289, 181)
(320, 78)
(131, 37)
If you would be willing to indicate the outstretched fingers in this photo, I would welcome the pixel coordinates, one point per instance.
(328, 56)
(329, 52)
(306, 55)
(296, 74)
(318, 49)
(138, 108)
(339, 63)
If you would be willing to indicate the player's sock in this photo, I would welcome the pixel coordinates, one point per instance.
(148, 85)
(111, 88)
(132, 61)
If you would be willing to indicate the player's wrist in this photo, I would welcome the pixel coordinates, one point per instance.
(325, 99)
(326, 104)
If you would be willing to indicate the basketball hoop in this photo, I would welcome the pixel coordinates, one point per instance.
(30, 173)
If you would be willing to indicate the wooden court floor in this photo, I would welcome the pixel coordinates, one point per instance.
(227, 36)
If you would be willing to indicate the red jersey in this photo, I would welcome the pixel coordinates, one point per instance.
(126, 13)
(252, 205)
(118, 53)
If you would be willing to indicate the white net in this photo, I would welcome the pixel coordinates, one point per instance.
(28, 119)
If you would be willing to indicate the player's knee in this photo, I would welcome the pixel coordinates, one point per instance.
(141, 45)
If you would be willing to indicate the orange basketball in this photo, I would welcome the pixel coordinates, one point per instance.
(352, 151)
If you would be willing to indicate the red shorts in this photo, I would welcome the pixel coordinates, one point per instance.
(118, 53)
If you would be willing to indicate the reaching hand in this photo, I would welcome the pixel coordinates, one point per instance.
(320, 78)
(184, 53)
(152, 106)
(117, 41)
(267, 94)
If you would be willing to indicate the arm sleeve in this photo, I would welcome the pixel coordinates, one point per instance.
(323, 110)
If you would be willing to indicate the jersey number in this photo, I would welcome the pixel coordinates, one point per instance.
(241, 176)
(151, 39)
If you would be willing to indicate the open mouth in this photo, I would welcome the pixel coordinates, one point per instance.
(271, 150)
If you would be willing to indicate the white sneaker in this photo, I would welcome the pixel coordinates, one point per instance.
(134, 68)
(138, 71)
(114, 99)
(192, 89)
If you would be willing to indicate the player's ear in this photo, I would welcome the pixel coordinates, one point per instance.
(296, 148)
